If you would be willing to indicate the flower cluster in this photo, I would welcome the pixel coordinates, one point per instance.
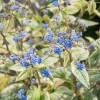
(75, 36)
(21, 94)
(19, 36)
(62, 39)
(30, 59)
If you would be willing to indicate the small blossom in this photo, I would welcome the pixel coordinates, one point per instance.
(36, 60)
(80, 34)
(36, 6)
(65, 33)
(80, 66)
(57, 50)
(16, 38)
(60, 40)
(67, 43)
(55, 3)
(21, 95)
(22, 34)
(60, 34)
(45, 73)
(29, 53)
(43, 1)
(91, 46)
(33, 81)
(24, 62)
(13, 57)
(45, 25)
(20, 10)
(49, 37)
(14, 7)
(78, 85)
(74, 36)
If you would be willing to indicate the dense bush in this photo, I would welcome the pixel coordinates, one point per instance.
(46, 52)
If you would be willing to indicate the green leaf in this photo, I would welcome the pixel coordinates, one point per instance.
(79, 53)
(34, 93)
(25, 74)
(50, 60)
(17, 68)
(62, 73)
(70, 10)
(45, 96)
(84, 22)
(91, 7)
(61, 93)
(88, 96)
(81, 75)
(94, 59)
(66, 58)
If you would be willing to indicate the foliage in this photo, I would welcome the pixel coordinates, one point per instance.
(44, 52)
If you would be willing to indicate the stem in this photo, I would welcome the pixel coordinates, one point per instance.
(6, 42)
(79, 96)
(61, 60)
(38, 77)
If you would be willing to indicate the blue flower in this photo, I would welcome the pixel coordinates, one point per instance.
(39, 60)
(29, 53)
(45, 73)
(78, 85)
(33, 81)
(24, 62)
(13, 57)
(1, 26)
(21, 95)
(22, 34)
(91, 46)
(16, 38)
(20, 11)
(60, 34)
(55, 3)
(57, 50)
(65, 33)
(79, 65)
(74, 36)
(80, 35)
(14, 7)
(60, 40)
(44, 25)
(67, 43)
(36, 60)
(49, 37)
